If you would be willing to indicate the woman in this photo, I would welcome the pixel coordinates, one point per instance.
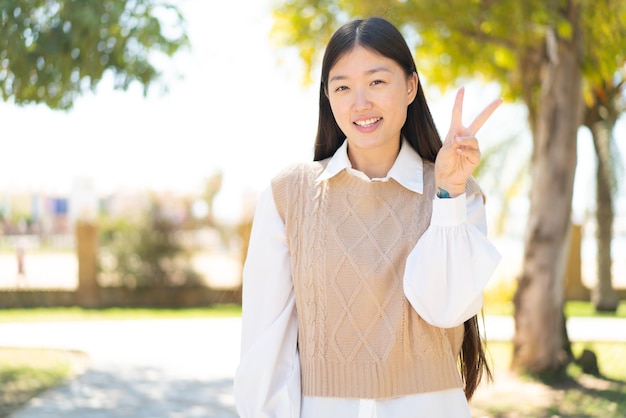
(366, 267)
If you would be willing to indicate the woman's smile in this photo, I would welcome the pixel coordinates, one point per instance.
(368, 125)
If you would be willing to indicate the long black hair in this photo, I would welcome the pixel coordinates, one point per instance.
(380, 36)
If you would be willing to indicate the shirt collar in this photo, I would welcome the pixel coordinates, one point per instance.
(407, 170)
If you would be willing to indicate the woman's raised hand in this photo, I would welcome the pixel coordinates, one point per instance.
(460, 153)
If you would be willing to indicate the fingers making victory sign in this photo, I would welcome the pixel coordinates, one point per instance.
(460, 153)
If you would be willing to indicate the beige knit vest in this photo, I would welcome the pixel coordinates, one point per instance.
(348, 241)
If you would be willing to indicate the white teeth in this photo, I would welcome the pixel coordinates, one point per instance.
(367, 122)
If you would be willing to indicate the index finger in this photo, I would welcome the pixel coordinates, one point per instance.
(482, 117)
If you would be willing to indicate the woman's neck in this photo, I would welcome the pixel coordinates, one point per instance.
(375, 163)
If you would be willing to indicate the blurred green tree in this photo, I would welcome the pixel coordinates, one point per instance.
(145, 252)
(52, 51)
(539, 52)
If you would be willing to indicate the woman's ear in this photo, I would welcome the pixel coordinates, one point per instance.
(412, 83)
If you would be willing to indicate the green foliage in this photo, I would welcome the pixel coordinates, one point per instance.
(51, 51)
(605, 40)
(586, 309)
(456, 39)
(483, 39)
(145, 252)
(307, 25)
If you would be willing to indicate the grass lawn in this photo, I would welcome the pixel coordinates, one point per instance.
(575, 395)
(80, 314)
(572, 308)
(26, 372)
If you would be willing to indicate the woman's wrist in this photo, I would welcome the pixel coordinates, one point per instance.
(443, 194)
(449, 191)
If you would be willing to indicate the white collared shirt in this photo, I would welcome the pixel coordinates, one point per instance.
(454, 260)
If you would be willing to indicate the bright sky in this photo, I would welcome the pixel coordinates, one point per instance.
(236, 109)
(233, 110)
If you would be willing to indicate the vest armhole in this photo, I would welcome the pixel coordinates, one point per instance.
(279, 192)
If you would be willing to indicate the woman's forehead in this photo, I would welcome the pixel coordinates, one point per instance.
(361, 61)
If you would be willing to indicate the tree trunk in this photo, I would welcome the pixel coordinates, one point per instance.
(603, 296)
(574, 287)
(539, 338)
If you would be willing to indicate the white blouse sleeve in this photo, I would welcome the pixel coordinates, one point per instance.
(267, 381)
(446, 272)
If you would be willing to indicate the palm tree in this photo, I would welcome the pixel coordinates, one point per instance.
(604, 105)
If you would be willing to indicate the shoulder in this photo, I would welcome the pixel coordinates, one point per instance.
(429, 167)
(302, 168)
(299, 172)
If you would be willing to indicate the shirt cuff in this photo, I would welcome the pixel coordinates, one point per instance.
(449, 211)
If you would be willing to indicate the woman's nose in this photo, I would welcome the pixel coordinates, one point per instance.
(361, 100)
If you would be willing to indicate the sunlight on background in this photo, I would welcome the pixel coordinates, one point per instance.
(228, 108)
(235, 104)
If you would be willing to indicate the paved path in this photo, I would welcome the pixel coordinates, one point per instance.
(180, 368)
(139, 369)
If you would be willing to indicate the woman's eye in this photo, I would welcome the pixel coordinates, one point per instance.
(377, 82)
(341, 88)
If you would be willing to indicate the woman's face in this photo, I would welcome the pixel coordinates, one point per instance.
(369, 95)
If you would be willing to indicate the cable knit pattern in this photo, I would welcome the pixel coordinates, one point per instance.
(348, 241)
(299, 203)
